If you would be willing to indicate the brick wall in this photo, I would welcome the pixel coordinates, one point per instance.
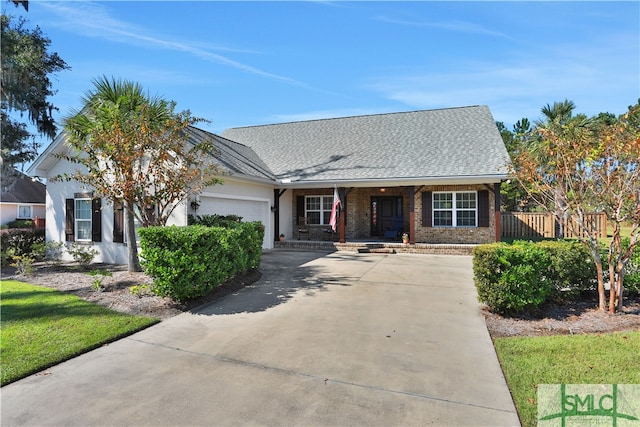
(472, 235)
(358, 214)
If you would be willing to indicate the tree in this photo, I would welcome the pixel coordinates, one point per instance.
(584, 165)
(557, 116)
(513, 196)
(26, 88)
(135, 150)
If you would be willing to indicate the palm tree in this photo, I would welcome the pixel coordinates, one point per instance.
(107, 130)
(560, 121)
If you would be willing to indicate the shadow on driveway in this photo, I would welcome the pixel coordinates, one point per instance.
(284, 274)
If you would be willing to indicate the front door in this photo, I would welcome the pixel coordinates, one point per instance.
(383, 210)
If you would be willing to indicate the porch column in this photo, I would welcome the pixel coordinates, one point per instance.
(276, 210)
(343, 202)
(412, 214)
(498, 216)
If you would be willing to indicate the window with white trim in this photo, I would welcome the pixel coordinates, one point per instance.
(318, 209)
(455, 209)
(82, 220)
(24, 212)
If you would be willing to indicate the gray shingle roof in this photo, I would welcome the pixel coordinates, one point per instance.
(453, 142)
(234, 158)
(22, 189)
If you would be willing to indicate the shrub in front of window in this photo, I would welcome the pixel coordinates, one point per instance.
(188, 262)
(82, 254)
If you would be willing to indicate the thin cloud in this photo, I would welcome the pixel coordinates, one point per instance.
(323, 114)
(455, 25)
(91, 19)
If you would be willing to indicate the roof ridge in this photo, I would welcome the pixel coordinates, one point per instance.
(355, 116)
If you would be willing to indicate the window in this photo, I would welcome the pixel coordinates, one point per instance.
(455, 209)
(83, 220)
(24, 212)
(318, 209)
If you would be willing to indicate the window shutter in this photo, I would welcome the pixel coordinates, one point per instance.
(118, 223)
(299, 208)
(427, 213)
(70, 219)
(96, 220)
(483, 208)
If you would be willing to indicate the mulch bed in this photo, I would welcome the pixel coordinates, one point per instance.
(576, 317)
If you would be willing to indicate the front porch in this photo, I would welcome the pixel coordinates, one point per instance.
(377, 247)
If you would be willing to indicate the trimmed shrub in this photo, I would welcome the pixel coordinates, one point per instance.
(571, 267)
(189, 262)
(20, 223)
(214, 220)
(512, 279)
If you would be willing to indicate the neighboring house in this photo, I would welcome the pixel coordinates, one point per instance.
(22, 198)
(433, 174)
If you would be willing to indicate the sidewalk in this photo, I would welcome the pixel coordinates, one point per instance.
(321, 339)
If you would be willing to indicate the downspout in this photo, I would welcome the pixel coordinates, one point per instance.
(498, 216)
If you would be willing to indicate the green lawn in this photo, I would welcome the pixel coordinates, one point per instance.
(566, 359)
(41, 327)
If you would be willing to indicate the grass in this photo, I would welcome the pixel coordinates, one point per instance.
(565, 359)
(41, 327)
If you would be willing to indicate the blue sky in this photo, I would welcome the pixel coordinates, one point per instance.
(247, 63)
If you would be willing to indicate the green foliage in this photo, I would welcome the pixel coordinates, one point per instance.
(53, 252)
(214, 220)
(571, 267)
(82, 254)
(24, 264)
(140, 290)
(20, 223)
(96, 285)
(18, 242)
(188, 262)
(512, 279)
(26, 89)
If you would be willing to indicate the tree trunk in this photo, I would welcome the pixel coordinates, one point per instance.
(132, 246)
(601, 295)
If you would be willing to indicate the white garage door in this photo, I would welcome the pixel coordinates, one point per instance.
(249, 210)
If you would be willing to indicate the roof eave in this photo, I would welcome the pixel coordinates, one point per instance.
(396, 182)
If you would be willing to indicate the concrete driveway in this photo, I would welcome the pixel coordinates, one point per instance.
(321, 339)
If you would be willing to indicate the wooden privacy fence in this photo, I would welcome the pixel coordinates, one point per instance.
(543, 225)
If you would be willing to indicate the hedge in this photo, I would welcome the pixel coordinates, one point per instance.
(512, 279)
(189, 262)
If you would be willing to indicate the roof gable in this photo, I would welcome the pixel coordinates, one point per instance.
(23, 190)
(454, 142)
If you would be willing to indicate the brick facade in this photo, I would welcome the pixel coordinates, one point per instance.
(358, 214)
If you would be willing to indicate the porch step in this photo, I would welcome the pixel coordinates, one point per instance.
(378, 247)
